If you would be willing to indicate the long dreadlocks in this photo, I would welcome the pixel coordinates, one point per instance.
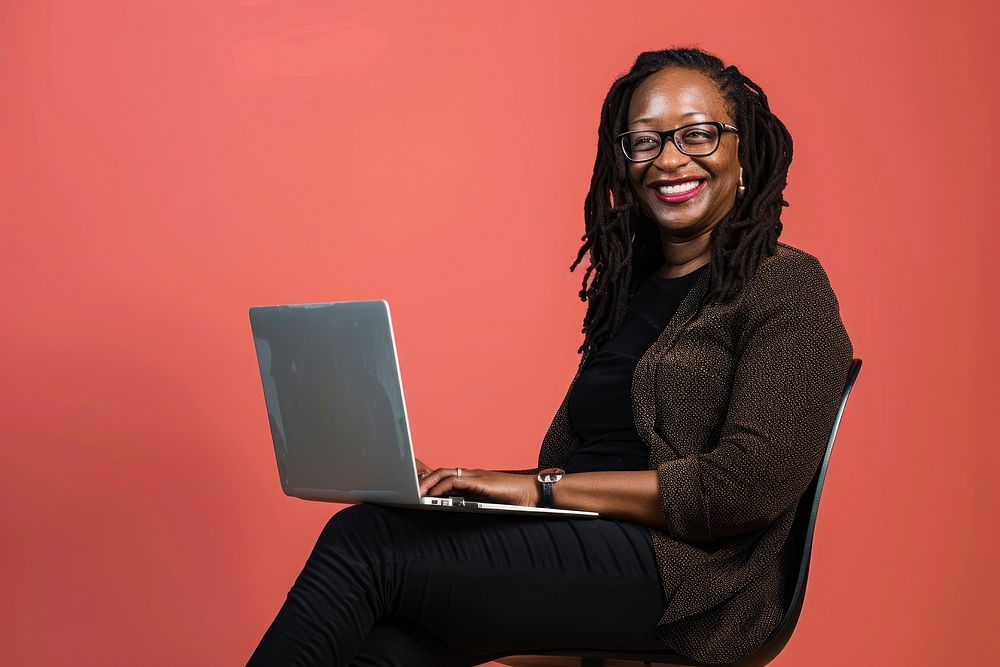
(624, 243)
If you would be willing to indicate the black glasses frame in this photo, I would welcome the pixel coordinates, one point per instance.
(670, 135)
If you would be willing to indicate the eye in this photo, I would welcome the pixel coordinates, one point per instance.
(700, 136)
(641, 143)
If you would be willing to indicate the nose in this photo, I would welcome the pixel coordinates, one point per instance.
(671, 158)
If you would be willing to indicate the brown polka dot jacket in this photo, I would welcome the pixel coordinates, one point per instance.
(736, 402)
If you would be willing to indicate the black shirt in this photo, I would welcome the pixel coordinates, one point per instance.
(600, 403)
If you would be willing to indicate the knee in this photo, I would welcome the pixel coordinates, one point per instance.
(362, 527)
(351, 519)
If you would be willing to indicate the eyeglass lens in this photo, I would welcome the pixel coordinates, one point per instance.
(692, 140)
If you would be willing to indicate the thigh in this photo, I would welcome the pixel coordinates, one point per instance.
(492, 583)
(396, 642)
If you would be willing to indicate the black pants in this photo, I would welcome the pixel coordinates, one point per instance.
(410, 587)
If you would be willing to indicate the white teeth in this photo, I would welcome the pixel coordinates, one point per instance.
(677, 189)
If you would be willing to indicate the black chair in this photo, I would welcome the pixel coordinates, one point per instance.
(802, 534)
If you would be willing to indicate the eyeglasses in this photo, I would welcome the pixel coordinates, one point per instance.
(696, 140)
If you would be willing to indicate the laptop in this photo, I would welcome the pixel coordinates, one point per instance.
(338, 420)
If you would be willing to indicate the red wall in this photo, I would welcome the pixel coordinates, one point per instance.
(165, 165)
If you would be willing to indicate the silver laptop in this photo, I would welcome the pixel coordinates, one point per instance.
(335, 403)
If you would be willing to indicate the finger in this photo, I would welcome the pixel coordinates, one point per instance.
(427, 483)
(438, 488)
(448, 481)
(447, 484)
(433, 478)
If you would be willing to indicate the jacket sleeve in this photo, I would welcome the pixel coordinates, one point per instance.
(787, 386)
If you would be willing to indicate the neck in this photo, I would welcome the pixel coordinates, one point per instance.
(683, 257)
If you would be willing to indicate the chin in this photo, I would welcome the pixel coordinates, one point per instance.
(676, 225)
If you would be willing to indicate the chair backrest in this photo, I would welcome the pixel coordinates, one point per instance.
(802, 534)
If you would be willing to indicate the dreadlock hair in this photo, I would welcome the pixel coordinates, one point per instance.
(624, 243)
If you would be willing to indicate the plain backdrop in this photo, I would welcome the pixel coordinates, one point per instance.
(166, 165)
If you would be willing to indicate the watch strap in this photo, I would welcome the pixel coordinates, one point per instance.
(547, 478)
(547, 494)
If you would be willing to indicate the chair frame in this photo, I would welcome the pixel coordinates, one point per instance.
(801, 530)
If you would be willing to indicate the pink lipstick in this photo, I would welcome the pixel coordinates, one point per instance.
(679, 197)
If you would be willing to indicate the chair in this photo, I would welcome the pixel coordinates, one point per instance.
(802, 533)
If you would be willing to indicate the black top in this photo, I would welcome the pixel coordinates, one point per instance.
(600, 403)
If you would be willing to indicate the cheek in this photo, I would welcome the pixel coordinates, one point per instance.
(731, 165)
(728, 175)
(635, 182)
(634, 176)
(730, 179)
(726, 195)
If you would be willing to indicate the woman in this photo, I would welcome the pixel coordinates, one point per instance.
(713, 362)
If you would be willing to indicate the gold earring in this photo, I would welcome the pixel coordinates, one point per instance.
(742, 190)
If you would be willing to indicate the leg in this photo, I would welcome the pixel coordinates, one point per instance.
(396, 642)
(475, 586)
(493, 585)
(339, 595)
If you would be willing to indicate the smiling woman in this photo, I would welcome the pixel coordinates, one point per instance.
(713, 362)
(699, 168)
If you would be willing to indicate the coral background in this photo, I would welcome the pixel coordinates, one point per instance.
(163, 166)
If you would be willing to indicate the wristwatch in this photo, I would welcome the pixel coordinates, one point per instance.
(547, 478)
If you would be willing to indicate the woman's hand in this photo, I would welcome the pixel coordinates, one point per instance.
(501, 487)
(422, 468)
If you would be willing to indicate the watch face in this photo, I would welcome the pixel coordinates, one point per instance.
(551, 475)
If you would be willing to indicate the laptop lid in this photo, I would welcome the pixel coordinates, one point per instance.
(334, 401)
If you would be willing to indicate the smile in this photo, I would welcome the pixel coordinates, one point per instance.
(673, 194)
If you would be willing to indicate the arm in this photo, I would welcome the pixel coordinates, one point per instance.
(786, 389)
(628, 495)
(631, 495)
(521, 471)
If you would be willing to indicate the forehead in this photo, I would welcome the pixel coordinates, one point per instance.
(675, 96)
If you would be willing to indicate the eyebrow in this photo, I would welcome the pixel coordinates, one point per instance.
(689, 113)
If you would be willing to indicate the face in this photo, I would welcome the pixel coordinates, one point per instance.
(666, 100)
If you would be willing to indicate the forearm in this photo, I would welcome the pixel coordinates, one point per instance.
(518, 471)
(632, 495)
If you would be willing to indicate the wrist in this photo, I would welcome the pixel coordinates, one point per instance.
(535, 495)
(546, 480)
